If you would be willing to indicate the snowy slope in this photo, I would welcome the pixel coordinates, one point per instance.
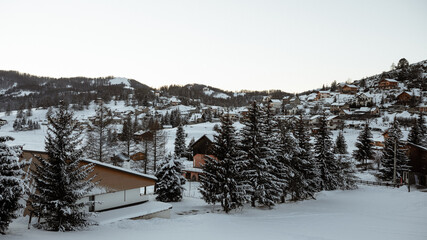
(370, 213)
(120, 81)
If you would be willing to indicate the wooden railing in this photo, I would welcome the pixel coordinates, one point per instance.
(387, 184)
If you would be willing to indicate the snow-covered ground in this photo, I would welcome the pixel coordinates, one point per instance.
(366, 213)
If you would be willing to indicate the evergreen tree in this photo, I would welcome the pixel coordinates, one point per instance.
(323, 151)
(415, 136)
(364, 145)
(12, 184)
(127, 134)
(158, 144)
(97, 135)
(306, 166)
(340, 144)
(8, 109)
(170, 180)
(180, 142)
(270, 129)
(393, 147)
(49, 112)
(347, 177)
(262, 187)
(288, 157)
(423, 129)
(59, 180)
(222, 181)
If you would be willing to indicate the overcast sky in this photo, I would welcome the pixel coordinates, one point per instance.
(255, 45)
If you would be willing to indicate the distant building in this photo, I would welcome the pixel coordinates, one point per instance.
(387, 84)
(407, 98)
(323, 94)
(122, 186)
(363, 100)
(202, 145)
(418, 162)
(349, 89)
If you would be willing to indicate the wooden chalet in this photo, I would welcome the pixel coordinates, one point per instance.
(323, 94)
(422, 108)
(202, 145)
(201, 149)
(418, 162)
(349, 89)
(387, 84)
(406, 98)
(121, 187)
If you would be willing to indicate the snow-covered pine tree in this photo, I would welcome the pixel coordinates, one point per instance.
(96, 146)
(423, 130)
(393, 142)
(210, 181)
(12, 183)
(307, 166)
(253, 152)
(364, 145)
(127, 134)
(170, 180)
(59, 180)
(222, 180)
(180, 141)
(347, 177)
(340, 144)
(415, 134)
(323, 152)
(279, 171)
(288, 157)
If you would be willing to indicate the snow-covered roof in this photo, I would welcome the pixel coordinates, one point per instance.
(120, 169)
(364, 109)
(351, 86)
(329, 118)
(390, 80)
(192, 169)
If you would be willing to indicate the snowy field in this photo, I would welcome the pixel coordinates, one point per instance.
(366, 213)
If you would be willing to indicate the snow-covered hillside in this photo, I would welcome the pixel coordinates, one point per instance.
(371, 213)
(120, 81)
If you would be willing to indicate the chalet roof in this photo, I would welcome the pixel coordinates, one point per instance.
(205, 136)
(120, 169)
(329, 118)
(347, 112)
(338, 104)
(105, 165)
(390, 80)
(351, 86)
(414, 93)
